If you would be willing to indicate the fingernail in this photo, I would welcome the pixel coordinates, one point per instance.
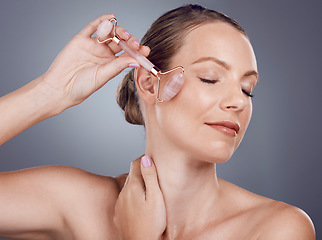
(136, 42)
(127, 33)
(146, 161)
(133, 65)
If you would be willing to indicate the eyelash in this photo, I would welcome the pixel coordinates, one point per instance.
(214, 81)
(208, 81)
(248, 94)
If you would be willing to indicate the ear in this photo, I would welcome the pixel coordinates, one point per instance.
(146, 85)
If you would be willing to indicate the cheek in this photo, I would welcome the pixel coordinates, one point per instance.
(182, 114)
(190, 107)
(244, 120)
(195, 97)
(247, 114)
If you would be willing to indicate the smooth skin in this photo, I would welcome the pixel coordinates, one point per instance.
(179, 195)
(79, 70)
(220, 73)
(61, 202)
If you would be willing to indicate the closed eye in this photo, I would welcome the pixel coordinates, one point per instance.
(215, 81)
(208, 81)
(247, 93)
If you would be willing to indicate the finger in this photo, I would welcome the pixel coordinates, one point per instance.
(150, 176)
(110, 70)
(91, 28)
(125, 182)
(124, 35)
(133, 42)
(144, 50)
(135, 177)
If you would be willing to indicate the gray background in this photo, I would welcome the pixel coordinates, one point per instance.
(280, 156)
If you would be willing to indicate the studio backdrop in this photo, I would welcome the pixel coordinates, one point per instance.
(280, 156)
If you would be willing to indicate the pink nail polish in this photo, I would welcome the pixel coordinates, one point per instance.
(136, 42)
(127, 33)
(133, 65)
(146, 161)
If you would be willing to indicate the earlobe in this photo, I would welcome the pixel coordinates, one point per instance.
(146, 85)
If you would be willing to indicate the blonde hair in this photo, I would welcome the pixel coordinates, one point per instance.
(164, 38)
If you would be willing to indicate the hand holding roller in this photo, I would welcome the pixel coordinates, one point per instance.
(173, 85)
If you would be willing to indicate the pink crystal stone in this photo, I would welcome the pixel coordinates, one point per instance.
(104, 29)
(172, 87)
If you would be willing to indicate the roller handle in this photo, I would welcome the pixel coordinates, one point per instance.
(143, 61)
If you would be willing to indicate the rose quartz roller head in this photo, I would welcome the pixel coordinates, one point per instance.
(173, 85)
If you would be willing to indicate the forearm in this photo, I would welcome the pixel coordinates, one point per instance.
(80, 69)
(27, 106)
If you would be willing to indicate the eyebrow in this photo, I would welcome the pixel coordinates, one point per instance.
(213, 59)
(252, 73)
(226, 66)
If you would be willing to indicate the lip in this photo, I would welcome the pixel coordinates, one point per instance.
(227, 127)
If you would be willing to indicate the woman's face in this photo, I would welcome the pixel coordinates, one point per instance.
(209, 116)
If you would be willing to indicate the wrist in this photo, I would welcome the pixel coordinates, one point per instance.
(47, 101)
(27, 106)
(50, 98)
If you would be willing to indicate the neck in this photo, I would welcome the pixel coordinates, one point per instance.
(189, 186)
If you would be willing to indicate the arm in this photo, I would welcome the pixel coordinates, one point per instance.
(28, 206)
(79, 70)
(29, 203)
(25, 107)
(56, 202)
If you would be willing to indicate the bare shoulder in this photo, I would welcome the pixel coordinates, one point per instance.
(64, 199)
(287, 222)
(66, 184)
(84, 198)
(273, 219)
(65, 181)
(61, 178)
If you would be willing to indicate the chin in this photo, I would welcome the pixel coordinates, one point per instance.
(217, 158)
(219, 153)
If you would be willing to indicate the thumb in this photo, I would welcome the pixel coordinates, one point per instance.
(113, 68)
(150, 176)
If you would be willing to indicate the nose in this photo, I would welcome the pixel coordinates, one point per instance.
(233, 99)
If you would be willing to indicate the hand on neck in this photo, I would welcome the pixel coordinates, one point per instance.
(189, 186)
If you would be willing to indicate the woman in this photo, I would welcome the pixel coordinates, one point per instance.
(175, 196)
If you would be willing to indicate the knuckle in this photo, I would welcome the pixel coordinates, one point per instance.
(149, 172)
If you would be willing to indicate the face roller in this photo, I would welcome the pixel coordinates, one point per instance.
(173, 85)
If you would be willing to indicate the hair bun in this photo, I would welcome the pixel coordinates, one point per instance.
(127, 99)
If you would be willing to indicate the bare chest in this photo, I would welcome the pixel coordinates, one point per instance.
(241, 228)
